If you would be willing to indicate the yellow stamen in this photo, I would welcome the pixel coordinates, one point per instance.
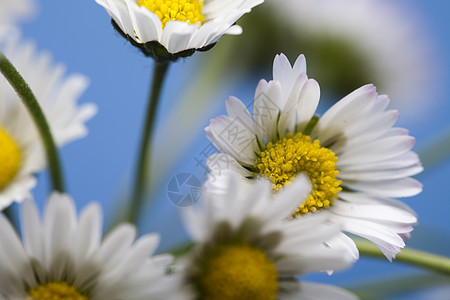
(283, 160)
(189, 11)
(55, 291)
(239, 272)
(10, 158)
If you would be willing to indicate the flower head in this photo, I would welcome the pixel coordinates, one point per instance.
(169, 29)
(61, 257)
(352, 155)
(21, 153)
(247, 249)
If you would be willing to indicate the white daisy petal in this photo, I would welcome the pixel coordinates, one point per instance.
(307, 103)
(145, 24)
(58, 97)
(405, 187)
(371, 175)
(378, 150)
(177, 34)
(267, 106)
(32, 232)
(408, 159)
(289, 115)
(374, 212)
(332, 124)
(14, 254)
(233, 138)
(117, 268)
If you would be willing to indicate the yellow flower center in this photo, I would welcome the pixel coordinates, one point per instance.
(10, 158)
(55, 291)
(189, 11)
(239, 272)
(283, 160)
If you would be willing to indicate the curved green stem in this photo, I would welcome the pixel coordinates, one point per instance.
(432, 262)
(29, 100)
(142, 176)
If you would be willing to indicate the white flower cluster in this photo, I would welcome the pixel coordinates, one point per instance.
(282, 195)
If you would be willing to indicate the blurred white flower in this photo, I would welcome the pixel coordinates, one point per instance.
(389, 39)
(13, 10)
(62, 257)
(21, 154)
(246, 248)
(354, 157)
(178, 25)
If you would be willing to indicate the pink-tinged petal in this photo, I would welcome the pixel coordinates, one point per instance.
(386, 240)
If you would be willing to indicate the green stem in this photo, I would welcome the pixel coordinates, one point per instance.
(142, 176)
(29, 100)
(432, 262)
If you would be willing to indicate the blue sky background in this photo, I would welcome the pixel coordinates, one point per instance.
(79, 34)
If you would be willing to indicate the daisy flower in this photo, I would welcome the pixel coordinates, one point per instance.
(173, 28)
(354, 157)
(21, 150)
(61, 257)
(246, 248)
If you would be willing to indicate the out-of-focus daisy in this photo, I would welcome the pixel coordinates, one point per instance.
(353, 156)
(349, 43)
(11, 11)
(61, 257)
(21, 153)
(246, 248)
(178, 27)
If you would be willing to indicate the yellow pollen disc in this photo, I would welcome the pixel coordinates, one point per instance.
(55, 291)
(239, 272)
(189, 11)
(10, 158)
(283, 160)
